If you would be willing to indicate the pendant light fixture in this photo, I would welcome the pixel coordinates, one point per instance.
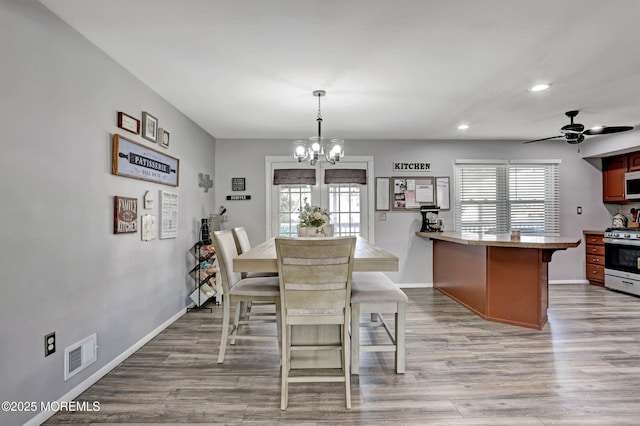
(311, 149)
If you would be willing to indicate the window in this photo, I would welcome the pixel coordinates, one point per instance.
(496, 196)
(343, 188)
(291, 199)
(344, 207)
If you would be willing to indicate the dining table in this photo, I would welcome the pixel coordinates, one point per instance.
(367, 258)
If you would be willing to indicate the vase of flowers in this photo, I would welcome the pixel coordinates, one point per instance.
(314, 222)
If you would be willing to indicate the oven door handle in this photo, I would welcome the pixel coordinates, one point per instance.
(621, 242)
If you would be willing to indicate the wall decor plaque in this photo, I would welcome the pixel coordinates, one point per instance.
(238, 184)
(137, 161)
(168, 214)
(125, 215)
(238, 197)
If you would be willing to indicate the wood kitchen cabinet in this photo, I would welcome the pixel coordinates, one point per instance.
(613, 170)
(594, 258)
(634, 162)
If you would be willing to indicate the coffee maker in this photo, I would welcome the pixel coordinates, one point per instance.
(430, 221)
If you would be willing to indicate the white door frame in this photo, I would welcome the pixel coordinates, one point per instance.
(269, 160)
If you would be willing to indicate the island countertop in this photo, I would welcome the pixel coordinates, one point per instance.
(503, 240)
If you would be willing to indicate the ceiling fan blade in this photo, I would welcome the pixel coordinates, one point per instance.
(545, 139)
(606, 130)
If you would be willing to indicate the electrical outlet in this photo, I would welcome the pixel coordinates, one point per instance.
(49, 344)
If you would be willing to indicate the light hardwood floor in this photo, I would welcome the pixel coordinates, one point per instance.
(583, 368)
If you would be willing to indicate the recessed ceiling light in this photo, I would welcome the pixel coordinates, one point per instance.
(539, 87)
(463, 127)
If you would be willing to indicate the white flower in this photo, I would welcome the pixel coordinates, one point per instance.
(317, 215)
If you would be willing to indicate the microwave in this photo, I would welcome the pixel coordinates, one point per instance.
(632, 185)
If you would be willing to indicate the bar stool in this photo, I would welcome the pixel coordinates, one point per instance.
(374, 292)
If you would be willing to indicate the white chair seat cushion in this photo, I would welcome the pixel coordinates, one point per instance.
(375, 287)
(262, 286)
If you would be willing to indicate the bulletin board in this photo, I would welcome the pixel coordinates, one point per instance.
(411, 193)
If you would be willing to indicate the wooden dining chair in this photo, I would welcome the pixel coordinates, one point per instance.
(315, 289)
(236, 289)
(246, 312)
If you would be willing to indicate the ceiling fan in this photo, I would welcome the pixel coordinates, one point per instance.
(574, 132)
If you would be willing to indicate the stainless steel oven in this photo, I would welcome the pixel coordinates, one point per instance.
(622, 260)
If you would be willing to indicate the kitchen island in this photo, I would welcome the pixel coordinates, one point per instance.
(499, 278)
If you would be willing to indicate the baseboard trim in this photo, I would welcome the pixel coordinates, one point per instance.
(414, 285)
(83, 386)
(562, 282)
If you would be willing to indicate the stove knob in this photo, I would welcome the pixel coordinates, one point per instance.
(616, 235)
(627, 236)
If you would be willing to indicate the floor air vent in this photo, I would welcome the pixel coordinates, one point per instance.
(79, 356)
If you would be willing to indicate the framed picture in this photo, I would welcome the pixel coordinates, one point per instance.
(382, 193)
(128, 123)
(238, 184)
(149, 127)
(163, 138)
(137, 161)
(125, 215)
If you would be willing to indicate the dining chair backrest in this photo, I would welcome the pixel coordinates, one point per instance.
(315, 278)
(242, 239)
(226, 250)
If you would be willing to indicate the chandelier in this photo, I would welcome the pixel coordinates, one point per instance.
(311, 149)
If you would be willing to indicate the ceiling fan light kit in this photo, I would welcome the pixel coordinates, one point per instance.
(574, 133)
(311, 149)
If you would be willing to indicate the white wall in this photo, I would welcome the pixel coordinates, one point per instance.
(61, 267)
(580, 185)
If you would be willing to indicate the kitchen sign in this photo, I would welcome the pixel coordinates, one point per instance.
(238, 197)
(411, 166)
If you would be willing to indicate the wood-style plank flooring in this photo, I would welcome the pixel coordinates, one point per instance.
(583, 368)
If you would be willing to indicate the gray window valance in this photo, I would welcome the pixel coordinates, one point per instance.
(345, 176)
(294, 176)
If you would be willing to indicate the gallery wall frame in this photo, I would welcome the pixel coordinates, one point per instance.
(137, 161)
(149, 127)
(163, 137)
(125, 215)
(128, 123)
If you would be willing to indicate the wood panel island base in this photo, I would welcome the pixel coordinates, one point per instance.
(499, 279)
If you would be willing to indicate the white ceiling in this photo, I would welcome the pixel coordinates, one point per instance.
(401, 69)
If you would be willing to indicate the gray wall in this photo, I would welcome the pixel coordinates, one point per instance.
(61, 267)
(580, 185)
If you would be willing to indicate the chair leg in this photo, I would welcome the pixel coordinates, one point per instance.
(226, 307)
(400, 338)
(284, 369)
(346, 364)
(279, 327)
(236, 321)
(355, 338)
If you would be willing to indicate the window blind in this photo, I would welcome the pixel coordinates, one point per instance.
(345, 176)
(494, 197)
(294, 176)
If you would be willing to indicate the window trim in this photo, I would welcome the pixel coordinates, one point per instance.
(293, 163)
